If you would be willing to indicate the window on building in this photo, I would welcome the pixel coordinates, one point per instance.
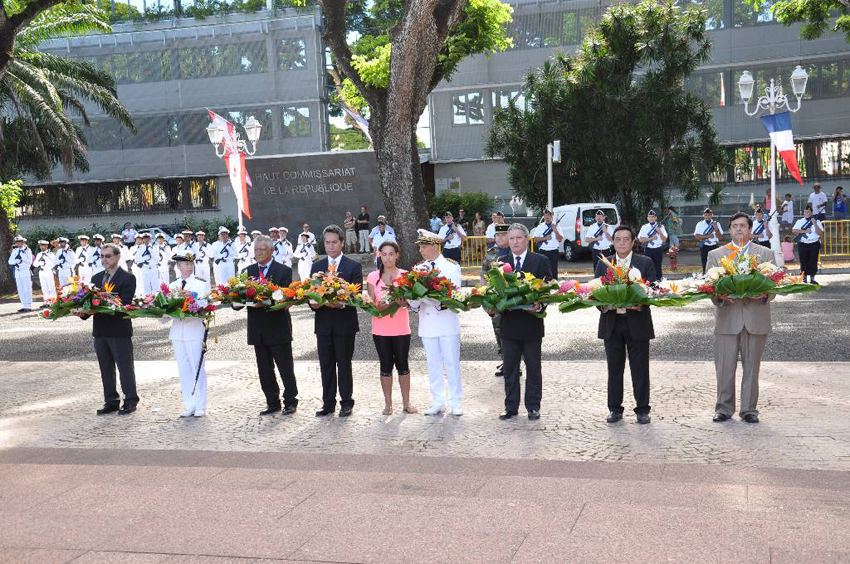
(170, 194)
(816, 159)
(262, 115)
(296, 122)
(468, 109)
(292, 53)
(715, 9)
(501, 98)
(711, 87)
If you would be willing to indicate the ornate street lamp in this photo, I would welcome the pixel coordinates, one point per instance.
(217, 136)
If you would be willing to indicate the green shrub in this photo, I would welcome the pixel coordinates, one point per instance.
(471, 202)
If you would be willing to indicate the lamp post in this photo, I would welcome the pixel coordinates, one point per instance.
(227, 144)
(774, 99)
(553, 155)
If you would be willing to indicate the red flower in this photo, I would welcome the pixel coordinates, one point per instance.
(164, 288)
(507, 268)
(95, 302)
(250, 293)
(46, 313)
(706, 289)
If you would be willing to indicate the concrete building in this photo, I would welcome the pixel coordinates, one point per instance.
(270, 64)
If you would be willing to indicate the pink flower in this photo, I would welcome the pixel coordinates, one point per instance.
(584, 289)
(568, 286)
(95, 302)
(507, 268)
(164, 287)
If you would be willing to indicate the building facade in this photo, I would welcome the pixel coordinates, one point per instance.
(271, 65)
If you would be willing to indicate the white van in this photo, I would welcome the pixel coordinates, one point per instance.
(573, 218)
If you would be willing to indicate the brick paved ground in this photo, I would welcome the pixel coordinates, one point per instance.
(803, 411)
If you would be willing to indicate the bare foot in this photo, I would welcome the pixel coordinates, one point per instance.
(410, 409)
(388, 410)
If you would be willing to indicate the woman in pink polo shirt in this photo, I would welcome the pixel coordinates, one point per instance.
(391, 333)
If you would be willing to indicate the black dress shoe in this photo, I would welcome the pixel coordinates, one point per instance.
(289, 409)
(24, 310)
(270, 410)
(719, 417)
(505, 415)
(751, 418)
(613, 417)
(325, 411)
(127, 409)
(107, 408)
(345, 411)
(643, 418)
(499, 371)
(533, 415)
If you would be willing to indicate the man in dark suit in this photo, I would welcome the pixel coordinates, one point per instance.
(627, 331)
(522, 333)
(113, 334)
(270, 332)
(336, 327)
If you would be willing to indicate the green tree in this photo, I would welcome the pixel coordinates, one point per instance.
(815, 15)
(401, 52)
(349, 139)
(627, 128)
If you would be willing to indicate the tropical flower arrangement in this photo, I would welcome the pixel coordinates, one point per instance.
(244, 291)
(421, 283)
(621, 288)
(505, 290)
(78, 297)
(320, 289)
(739, 277)
(176, 303)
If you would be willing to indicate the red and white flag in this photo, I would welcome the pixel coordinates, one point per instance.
(235, 162)
(779, 128)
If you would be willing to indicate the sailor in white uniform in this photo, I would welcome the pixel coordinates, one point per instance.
(653, 236)
(146, 260)
(163, 251)
(452, 236)
(306, 254)
(135, 268)
(202, 259)
(283, 251)
(761, 229)
(439, 329)
(187, 339)
(82, 259)
(44, 266)
(20, 259)
(94, 254)
(63, 261)
(244, 250)
(600, 236)
(126, 256)
(223, 255)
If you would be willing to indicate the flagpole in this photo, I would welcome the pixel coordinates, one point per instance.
(773, 220)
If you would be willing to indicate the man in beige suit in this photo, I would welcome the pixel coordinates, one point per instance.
(740, 325)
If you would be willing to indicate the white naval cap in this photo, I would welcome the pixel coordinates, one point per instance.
(63, 239)
(273, 229)
(115, 236)
(43, 242)
(242, 231)
(176, 235)
(81, 237)
(284, 229)
(256, 232)
(200, 233)
(98, 236)
(19, 238)
(428, 237)
(223, 229)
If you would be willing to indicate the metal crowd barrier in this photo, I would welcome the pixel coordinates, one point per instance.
(472, 251)
(836, 238)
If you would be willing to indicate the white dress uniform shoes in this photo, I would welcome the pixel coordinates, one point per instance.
(457, 411)
(434, 410)
(188, 413)
(199, 414)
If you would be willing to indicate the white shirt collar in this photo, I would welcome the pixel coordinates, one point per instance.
(337, 260)
(627, 260)
(521, 257)
(271, 260)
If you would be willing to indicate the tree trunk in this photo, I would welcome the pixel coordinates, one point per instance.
(7, 282)
(401, 186)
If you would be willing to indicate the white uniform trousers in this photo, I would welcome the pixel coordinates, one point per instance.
(84, 271)
(304, 266)
(64, 274)
(164, 276)
(188, 353)
(224, 271)
(140, 282)
(47, 283)
(202, 272)
(444, 352)
(23, 280)
(150, 281)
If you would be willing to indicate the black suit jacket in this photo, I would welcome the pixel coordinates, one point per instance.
(520, 325)
(331, 321)
(118, 325)
(639, 322)
(270, 327)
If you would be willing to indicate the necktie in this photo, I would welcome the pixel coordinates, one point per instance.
(433, 265)
(332, 266)
(518, 264)
(183, 285)
(106, 277)
(263, 271)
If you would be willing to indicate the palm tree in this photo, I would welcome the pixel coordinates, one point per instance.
(40, 93)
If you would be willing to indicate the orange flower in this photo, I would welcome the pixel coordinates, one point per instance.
(289, 292)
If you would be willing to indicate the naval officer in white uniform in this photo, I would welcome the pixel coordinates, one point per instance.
(146, 260)
(63, 261)
(20, 259)
(44, 266)
(439, 329)
(202, 259)
(223, 255)
(187, 338)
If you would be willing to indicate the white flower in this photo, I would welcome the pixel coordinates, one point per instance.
(595, 284)
(767, 268)
(277, 295)
(715, 272)
(634, 274)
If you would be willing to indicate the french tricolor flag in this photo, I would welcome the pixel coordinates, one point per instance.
(779, 128)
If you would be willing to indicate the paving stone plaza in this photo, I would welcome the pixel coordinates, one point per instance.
(236, 487)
